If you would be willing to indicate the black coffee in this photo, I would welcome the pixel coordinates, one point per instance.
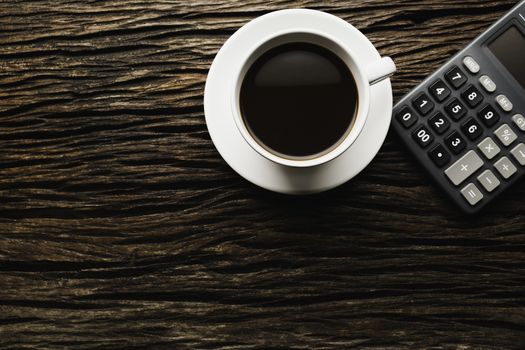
(299, 100)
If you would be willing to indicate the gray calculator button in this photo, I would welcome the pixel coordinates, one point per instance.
(464, 168)
(505, 167)
(489, 181)
(506, 135)
(472, 194)
(471, 65)
(489, 148)
(487, 83)
(519, 120)
(504, 103)
(519, 153)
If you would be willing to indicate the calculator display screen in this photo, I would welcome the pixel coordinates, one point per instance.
(509, 48)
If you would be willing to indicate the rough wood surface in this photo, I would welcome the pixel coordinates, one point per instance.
(121, 227)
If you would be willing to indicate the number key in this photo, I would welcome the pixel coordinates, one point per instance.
(406, 117)
(472, 96)
(455, 142)
(472, 129)
(423, 104)
(456, 110)
(440, 91)
(423, 136)
(456, 77)
(488, 116)
(439, 123)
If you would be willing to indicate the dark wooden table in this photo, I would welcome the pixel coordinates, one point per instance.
(121, 226)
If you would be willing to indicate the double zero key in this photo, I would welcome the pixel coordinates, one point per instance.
(423, 136)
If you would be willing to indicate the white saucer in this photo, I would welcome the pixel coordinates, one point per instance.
(250, 164)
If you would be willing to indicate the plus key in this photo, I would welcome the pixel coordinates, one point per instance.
(464, 168)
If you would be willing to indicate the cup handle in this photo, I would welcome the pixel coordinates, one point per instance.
(380, 70)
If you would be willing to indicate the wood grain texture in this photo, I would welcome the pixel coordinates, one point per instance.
(121, 226)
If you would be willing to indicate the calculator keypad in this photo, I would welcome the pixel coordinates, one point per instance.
(456, 77)
(472, 96)
(506, 135)
(505, 167)
(423, 104)
(439, 156)
(504, 103)
(519, 121)
(464, 168)
(456, 110)
(406, 117)
(423, 136)
(464, 124)
(489, 181)
(487, 83)
(439, 123)
(472, 194)
(488, 116)
(471, 65)
(440, 91)
(472, 129)
(519, 153)
(455, 142)
(489, 148)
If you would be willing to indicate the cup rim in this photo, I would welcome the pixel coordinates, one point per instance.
(362, 85)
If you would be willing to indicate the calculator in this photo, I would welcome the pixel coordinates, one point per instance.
(465, 123)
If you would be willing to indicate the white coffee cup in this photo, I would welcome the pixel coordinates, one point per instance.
(364, 76)
(306, 175)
